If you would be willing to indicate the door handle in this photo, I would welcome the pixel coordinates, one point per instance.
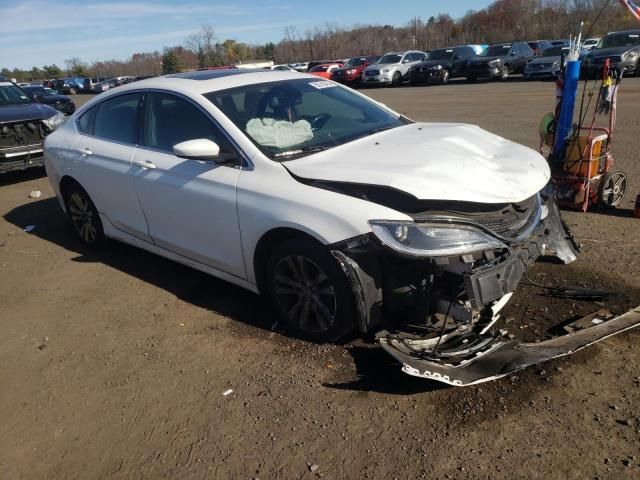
(145, 164)
(85, 151)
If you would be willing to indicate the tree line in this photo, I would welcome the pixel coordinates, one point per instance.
(503, 20)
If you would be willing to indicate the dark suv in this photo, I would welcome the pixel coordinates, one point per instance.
(24, 124)
(622, 48)
(441, 65)
(50, 97)
(500, 61)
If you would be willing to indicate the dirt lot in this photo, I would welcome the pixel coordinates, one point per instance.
(113, 364)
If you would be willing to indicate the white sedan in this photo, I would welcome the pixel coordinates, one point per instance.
(346, 213)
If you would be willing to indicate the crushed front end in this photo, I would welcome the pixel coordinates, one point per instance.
(21, 143)
(432, 288)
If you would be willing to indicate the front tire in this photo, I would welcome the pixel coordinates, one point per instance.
(445, 77)
(84, 217)
(396, 79)
(505, 72)
(310, 291)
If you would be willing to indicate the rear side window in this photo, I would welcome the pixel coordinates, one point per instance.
(85, 122)
(117, 118)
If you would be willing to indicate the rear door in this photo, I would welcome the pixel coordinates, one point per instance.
(190, 205)
(103, 154)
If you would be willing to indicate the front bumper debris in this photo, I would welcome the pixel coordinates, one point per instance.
(462, 361)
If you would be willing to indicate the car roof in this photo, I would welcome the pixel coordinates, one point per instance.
(633, 31)
(205, 81)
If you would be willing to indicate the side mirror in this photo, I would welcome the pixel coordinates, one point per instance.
(198, 149)
(406, 60)
(513, 54)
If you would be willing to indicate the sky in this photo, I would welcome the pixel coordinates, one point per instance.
(37, 32)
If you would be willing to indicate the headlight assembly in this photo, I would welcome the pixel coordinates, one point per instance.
(54, 122)
(432, 240)
(386, 70)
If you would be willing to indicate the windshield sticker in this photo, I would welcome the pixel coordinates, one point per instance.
(323, 84)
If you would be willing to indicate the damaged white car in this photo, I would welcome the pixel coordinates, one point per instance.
(347, 214)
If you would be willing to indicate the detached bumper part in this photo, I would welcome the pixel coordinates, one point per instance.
(482, 359)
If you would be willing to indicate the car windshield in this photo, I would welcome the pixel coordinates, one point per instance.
(496, 50)
(443, 54)
(620, 40)
(12, 95)
(555, 51)
(390, 58)
(354, 62)
(292, 118)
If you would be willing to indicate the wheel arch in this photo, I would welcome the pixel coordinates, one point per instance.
(268, 243)
(66, 182)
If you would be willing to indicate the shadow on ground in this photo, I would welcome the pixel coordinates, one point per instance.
(185, 283)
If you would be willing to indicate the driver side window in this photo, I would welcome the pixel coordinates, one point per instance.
(169, 120)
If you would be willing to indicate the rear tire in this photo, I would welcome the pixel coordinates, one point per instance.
(310, 292)
(72, 91)
(84, 216)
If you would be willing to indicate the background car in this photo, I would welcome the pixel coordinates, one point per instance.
(547, 64)
(324, 70)
(393, 68)
(351, 72)
(590, 43)
(539, 45)
(24, 124)
(100, 87)
(284, 68)
(622, 48)
(499, 61)
(563, 42)
(69, 86)
(442, 65)
(50, 97)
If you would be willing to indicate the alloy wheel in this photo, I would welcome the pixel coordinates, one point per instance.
(305, 293)
(83, 217)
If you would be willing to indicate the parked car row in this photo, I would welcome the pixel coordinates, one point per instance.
(74, 85)
(537, 59)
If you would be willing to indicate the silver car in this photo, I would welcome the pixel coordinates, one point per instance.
(547, 65)
(392, 68)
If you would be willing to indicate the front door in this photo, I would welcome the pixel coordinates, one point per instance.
(190, 205)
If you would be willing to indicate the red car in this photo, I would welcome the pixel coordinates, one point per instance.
(325, 70)
(351, 73)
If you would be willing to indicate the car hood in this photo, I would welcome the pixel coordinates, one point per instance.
(607, 52)
(544, 60)
(434, 63)
(482, 60)
(380, 66)
(55, 98)
(433, 161)
(27, 111)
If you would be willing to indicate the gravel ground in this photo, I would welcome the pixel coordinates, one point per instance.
(113, 364)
